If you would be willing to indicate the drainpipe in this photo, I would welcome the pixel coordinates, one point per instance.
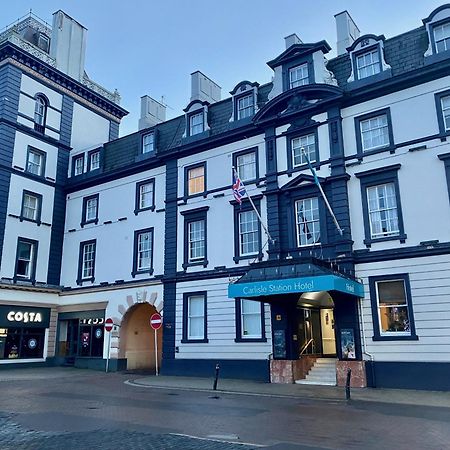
(361, 313)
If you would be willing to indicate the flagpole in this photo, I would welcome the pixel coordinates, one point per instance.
(341, 232)
(254, 208)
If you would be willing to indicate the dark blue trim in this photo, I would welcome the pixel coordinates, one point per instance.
(370, 178)
(113, 130)
(313, 129)
(446, 158)
(434, 12)
(377, 336)
(236, 155)
(363, 38)
(169, 322)
(195, 215)
(443, 133)
(429, 376)
(185, 339)
(244, 84)
(38, 207)
(298, 50)
(135, 252)
(238, 209)
(246, 369)
(390, 147)
(300, 61)
(238, 319)
(186, 180)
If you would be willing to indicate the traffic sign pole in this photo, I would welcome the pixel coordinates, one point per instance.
(109, 323)
(156, 352)
(156, 323)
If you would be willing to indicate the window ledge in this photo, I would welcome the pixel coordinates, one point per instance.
(149, 208)
(243, 339)
(95, 222)
(360, 82)
(388, 148)
(194, 341)
(203, 263)
(85, 280)
(412, 337)
(142, 272)
(26, 219)
(399, 237)
(259, 255)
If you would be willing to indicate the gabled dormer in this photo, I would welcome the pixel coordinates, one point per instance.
(245, 96)
(367, 60)
(437, 25)
(300, 65)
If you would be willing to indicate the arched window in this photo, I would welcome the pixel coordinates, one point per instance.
(40, 113)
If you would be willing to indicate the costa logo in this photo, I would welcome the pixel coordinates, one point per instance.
(24, 317)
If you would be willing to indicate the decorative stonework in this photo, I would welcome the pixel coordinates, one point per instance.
(287, 371)
(358, 377)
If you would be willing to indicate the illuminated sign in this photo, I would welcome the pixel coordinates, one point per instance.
(19, 316)
(93, 321)
(25, 317)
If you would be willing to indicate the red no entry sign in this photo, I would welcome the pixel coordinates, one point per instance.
(109, 324)
(156, 321)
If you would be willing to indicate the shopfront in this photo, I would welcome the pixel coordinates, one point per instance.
(23, 333)
(314, 315)
(81, 338)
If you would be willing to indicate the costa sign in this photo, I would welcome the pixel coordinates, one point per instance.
(25, 317)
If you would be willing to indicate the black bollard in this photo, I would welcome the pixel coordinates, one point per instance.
(216, 378)
(347, 384)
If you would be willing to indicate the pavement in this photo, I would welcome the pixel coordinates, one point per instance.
(327, 393)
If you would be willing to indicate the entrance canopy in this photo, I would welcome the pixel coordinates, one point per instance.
(311, 276)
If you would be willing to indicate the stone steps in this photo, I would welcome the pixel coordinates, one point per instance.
(323, 373)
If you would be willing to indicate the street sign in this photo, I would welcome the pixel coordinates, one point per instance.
(109, 324)
(156, 321)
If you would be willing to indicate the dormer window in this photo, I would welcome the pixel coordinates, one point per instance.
(148, 143)
(40, 113)
(298, 76)
(43, 42)
(442, 37)
(245, 106)
(368, 64)
(196, 123)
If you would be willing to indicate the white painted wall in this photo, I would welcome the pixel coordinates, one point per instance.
(221, 326)
(88, 128)
(430, 292)
(114, 252)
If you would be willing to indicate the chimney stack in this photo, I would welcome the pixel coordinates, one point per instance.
(68, 45)
(152, 112)
(347, 31)
(291, 40)
(204, 89)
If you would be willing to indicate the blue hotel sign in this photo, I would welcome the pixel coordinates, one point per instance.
(296, 285)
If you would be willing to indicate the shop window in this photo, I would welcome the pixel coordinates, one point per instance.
(91, 340)
(35, 162)
(145, 196)
(22, 343)
(250, 321)
(194, 317)
(392, 307)
(195, 180)
(307, 221)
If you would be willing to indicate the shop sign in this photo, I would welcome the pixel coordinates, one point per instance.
(15, 316)
(296, 285)
(93, 321)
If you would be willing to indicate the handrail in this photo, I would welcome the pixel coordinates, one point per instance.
(306, 346)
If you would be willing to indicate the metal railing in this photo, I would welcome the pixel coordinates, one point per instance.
(305, 347)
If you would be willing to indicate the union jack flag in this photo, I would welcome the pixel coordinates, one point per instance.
(238, 187)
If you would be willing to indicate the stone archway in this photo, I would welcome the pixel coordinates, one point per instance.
(137, 338)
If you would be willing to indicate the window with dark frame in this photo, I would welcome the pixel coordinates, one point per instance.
(445, 105)
(307, 216)
(145, 196)
(382, 212)
(196, 123)
(78, 165)
(35, 162)
(195, 242)
(31, 206)
(44, 42)
(308, 144)
(194, 317)
(143, 251)
(86, 265)
(298, 76)
(26, 259)
(251, 326)
(392, 312)
(245, 106)
(195, 179)
(148, 143)
(442, 37)
(246, 164)
(90, 210)
(368, 63)
(94, 160)
(40, 113)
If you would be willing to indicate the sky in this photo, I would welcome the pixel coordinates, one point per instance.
(150, 47)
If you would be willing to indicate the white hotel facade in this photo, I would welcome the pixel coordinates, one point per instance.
(95, 226)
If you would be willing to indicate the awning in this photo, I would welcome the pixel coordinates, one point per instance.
(300, 277)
